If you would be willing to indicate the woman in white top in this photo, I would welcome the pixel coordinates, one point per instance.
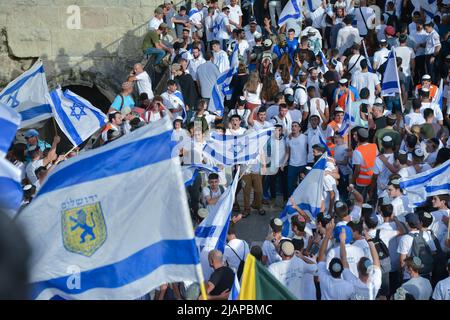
(252, 91)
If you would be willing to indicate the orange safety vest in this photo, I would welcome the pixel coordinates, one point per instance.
(433, 90)
(369, 154)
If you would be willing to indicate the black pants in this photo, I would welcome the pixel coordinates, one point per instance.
(194, 196)
(281, 176)
(420, 68)
(432, 68)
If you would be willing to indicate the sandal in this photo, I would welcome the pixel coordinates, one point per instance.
(246, 213)
(262, 212)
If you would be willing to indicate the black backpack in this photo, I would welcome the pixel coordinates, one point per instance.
(421, 249)
(240, 269)
(392, 20)
(383, 253)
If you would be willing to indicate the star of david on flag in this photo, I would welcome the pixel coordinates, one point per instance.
(74, 111)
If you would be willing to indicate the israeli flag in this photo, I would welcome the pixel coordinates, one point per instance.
(212, 231)
(11, 192)
(231, 150)
(193, 11)
(28, 95)
(439, 95)
(312, 5)
(191, 172)
(222, 87)
(290, 11)
(308, 196)
(178, 97)
(323, 142)
(391, 84)
(76, 116)
(9, 123)
(324, 68)
(114, 222)
(429, 7)
(426, 184)
(369, 64)
(234, 294)
(348, 120)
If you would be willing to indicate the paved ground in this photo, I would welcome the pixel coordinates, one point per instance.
(255, 227)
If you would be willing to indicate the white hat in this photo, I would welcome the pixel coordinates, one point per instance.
(289, 91)
(343, 81)
(426, 77)
(202, 213)
(387, 138)
(338, 109)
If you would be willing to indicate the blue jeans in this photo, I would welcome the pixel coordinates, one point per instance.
(293, 177)
(393, 104)
(159, 53)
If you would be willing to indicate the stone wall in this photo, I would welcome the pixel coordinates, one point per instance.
(101, 49)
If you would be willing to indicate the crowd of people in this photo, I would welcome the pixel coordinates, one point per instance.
(303, 79)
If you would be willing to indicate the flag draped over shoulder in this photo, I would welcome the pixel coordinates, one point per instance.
(230, 150)
(292, 10)
(11, 192)
(113, 223)
(28, 95)
(426, 184)
(9, 123)
(308, 195)
(348, 120)
(76, 116)
(222, 87)
(259, 284)
(391, 84)
(191, 172)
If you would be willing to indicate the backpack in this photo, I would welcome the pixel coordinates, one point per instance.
(421, 249)
(205, 125)
(240, 269)
(383, 253)
(392, 20)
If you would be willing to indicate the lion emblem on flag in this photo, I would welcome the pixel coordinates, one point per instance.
(84, 229)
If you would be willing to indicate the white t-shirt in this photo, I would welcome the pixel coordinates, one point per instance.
(300, 96)
(222, 21)
(380, 57)
(389, 235)
(242, 250)
(313, 138)
(239, 132)
(254, 97)
(400, 205)
(365, 291)
(354, 63)
(383, 173)
(269, 250)
(367, 14)
(221, 60)
(144, 84)
(419, 287)
(332, 288)
(291, 274)
(208, 193)
(364, 246)
(234, 15)
(354, 254)
(298, 150)
(311, 107)
(31, 167)
(439, 228)
(436, 110)
(413, 118)
(433, 40)
(367, 80)
(329, 184)
(340, 154)
(442, 290)
(154, 23)
(407, 54)
(194, 64)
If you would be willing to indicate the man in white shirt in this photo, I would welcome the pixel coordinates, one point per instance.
(347, 36)
(354, 64)
(173, 99)
(271, 244)
(368, 281)
(408, 59)
(314, 133)
(297, 152)
(417, 286)
(366, 79)
(157, 19)
(236, 250)
(235, 15)
(442, 289)
(290, 271)
(222, 27)
(38, 159)
(142, 79)
(365, 18)
(235, 129)
(195, 62)
(332, 286)
(381, 172)
(221, 59)
(415, 117)
(432, 48)
(381, 55)
(398, 200)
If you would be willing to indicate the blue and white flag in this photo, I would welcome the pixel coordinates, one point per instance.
(28, 95)
(178, 96)
(231, 150)
(312, 5)
(324, 68)
(308, 196)
(369, 64)
(114, 222)
(234, 294)
(290, 11)
(429, 7)
(212, 232)
(193, 11)
(76, 116)
(348, 120)
(391, 83)
(11, 192)
(324, 143)
(9, 123)
(426, 184)
(438, 97)
(191, 172)
(222, 87)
